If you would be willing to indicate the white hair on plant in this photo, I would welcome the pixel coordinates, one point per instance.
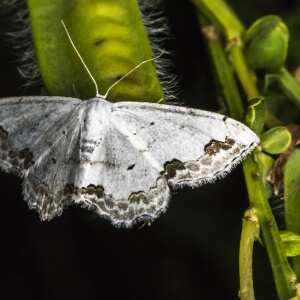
(8, 5)
(154, 20)
(21, 41)
(157, 27)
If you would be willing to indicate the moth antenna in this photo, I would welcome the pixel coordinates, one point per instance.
(94, 81)
(96, 86)
(143, 62)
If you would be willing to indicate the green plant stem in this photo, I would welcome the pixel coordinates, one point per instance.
(247, 79)
(220, 14)
(289, 86)
(224, 74)
(242, 70)
(291, 199)
(250, 231)
(283, 274)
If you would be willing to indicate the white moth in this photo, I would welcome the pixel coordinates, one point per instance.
(119, 158)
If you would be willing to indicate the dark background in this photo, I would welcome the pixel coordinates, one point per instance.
(190, 252)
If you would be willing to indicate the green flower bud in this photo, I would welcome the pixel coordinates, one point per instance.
(276, 140)
(255, 116)
(266, 43)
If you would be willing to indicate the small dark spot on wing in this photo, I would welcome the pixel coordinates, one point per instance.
(27, 156)
(93, 190)
(130, 167)
(191, 112)
(69, 189)
(138, 197)
(172, 167)
(214, 147)
(109, 202)
(123, 206)
(12, 153)
(3, 134)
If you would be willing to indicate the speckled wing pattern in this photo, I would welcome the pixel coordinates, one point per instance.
(120, 159)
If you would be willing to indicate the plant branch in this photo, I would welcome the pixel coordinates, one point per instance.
(250, 232)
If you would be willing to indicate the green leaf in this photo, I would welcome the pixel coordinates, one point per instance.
(284, 83)
(282, 108)
(291, 243)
